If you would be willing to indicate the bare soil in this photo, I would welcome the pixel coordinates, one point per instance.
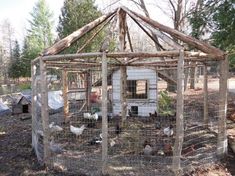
(17, 157)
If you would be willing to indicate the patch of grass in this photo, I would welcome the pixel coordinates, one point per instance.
(25, 86)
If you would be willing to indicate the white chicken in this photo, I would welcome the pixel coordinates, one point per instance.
(55, 128)
(90, 116)
(147, 150)
(77, 131)
(168, 131)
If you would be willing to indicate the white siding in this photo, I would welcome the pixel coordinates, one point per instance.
(145, 106)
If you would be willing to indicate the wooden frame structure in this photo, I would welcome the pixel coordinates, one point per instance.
(179, 59)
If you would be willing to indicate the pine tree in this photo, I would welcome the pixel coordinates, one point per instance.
(74, 15)
(15, 68)
(39, 36)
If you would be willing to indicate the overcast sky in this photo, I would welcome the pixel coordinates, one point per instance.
(17, 11)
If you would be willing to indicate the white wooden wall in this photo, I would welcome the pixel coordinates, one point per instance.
(145, 106)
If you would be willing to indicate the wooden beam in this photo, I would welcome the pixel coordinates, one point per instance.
(205, 90)
(129, 38)
(179, 115)
(222, 142)
(45, 113)
(67, 41)
(88, 88)
(203, 46)
(104, 115)
(95, 34)
(65, 95)
(123, 71)
(172, 53)
(34, 96)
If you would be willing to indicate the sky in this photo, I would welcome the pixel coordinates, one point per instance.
(18, 12)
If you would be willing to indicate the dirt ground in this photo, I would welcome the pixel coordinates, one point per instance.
(17, 157)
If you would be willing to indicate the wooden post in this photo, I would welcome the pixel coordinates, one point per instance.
(104, 114)
(157, 103)
(205, 88)
(34, 91)
(88, 86)
(179, 115)
(65, 95)
(123, 71)
(222, 142)
(45, 113)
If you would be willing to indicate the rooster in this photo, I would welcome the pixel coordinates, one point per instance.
(77, 131)
(55, 148)
(96, 140)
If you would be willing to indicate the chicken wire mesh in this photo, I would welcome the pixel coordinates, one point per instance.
(143, 144)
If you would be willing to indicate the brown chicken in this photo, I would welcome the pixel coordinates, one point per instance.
(168, 149)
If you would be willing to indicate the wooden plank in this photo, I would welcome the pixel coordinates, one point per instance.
(104, 114)
(45, 113)
(67, 41)
(65, 95)
(88, 85)
(203, 46)
(179, 115)
(205, 90)
(222, 142)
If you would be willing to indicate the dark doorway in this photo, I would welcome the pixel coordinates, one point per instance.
(134, 110)
(25, 108)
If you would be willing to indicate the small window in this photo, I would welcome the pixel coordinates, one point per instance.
(137, 89)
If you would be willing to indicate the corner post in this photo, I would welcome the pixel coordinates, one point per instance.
(222, 142)
(179, 115)
(45, 112)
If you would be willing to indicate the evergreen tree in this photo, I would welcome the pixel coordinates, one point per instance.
(39, 36)
(15, 66)
(74, 15)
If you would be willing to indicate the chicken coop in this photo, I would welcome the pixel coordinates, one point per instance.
(114, 118)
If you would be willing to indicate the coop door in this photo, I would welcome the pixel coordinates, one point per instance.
(25, 109)
(134, 110)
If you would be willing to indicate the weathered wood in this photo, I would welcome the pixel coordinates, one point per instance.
(129, 39)
(67, 41)
(121, 54)
(165, 77)
(205, 90)
(88, 85)
(65, 95)
(123, 79)
(179, 115)
(222, 142)
(104, 114)
(45, 113)
(95, 34)
(34, 94)
(203, 46)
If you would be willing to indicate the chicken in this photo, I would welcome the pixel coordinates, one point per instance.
(153, 115)
(55, 128)
(168, 131)
(96, 140)
(147, 150)
(90, 116)
(55, 148)
(168, 149)
(77, 131)
(160, 152)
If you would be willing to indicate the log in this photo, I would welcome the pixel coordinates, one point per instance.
(45, 113)
(121, 54)
(222, 142)
(65, 95)
(123, 72)
(200, 45)
(67, 41)
(179, 138)
(104, 115)
(205, 90)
